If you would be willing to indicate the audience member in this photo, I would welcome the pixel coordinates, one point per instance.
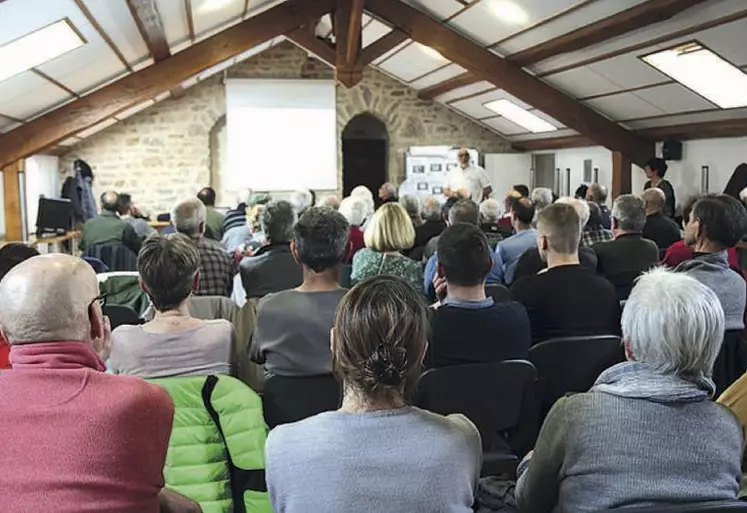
(330, 200)
(432, 226)
(411, 204)
(717, 222)
(463, 211)
(389, 233)
(354, 210)
(490, 214)
(468, 326)
(236, 217)
(647, 432)
(541, 197)
(469, 176)
(510, 250)
(129, 213)
(655, 170)
(743, 196)
(522, 189)
(76, 439)
(581, 191)
(173, 343)
(11, 254)
(388, 455)
(217, 268)
(108, 228)
(467, 213)
(273, 268)
(246, 236)
(595, 232)
(365, 194)
(213, 218)
(292, 333)
(301, 200)
(597, 194)
(658, 228)
(387, 193)
(505, 223)
(567, 299)
(622, 260)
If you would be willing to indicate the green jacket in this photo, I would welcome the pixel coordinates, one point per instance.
(214, 220)
(216, 451)
(108, 228)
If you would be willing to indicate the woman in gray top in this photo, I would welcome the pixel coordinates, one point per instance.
(376, 453)
(173, 343)
(647, 432)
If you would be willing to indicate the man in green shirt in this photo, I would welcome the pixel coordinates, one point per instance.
(108, 228)
(213, 219)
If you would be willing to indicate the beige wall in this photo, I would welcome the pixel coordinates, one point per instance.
(173, 148)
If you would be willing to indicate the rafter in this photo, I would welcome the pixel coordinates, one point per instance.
(348, 18)
(149, 24)
(434, 91)
(510, 77)
(149, 82)
(313, 44)
(381, 46)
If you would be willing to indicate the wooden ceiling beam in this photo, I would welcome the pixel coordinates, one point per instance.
(348, 20)
(510, 77)
(381, 46)
(635, 18)
(319, 47)
(149, 82)
(436, 90)
(149, 24)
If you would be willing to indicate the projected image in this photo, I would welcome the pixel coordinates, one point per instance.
(437, 190)
(422, 186)
(436, 168)
(418, 169)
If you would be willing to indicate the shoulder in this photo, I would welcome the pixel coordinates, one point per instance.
(455, 427)
(364, 255)
(282, 439)
(276, 299)
(125, 331)
(135, 396)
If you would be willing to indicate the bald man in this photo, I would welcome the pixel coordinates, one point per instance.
(75, 439)
(108, 228)
(659, 228)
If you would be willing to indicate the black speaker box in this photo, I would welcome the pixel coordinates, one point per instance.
(671, 150)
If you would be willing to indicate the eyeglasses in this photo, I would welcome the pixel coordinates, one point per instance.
(101, 299)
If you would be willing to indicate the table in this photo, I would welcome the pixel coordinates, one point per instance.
(159, 225)
(57, 240)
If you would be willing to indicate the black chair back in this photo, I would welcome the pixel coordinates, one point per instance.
(572, 364)
(623, 282)
(693, 507)
(121, 314)
(499, 293)
(731, 361)
(290, 399)
(117, 257)
(345, 272)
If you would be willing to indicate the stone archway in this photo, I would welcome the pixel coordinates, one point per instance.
(365, 152)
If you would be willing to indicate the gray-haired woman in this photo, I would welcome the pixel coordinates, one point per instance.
(647, 432)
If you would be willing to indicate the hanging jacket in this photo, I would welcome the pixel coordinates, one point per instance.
(216, 451)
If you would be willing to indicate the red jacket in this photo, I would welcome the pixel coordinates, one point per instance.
(679, 252)
(355, 242)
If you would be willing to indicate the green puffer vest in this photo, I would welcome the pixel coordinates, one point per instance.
(216, 451)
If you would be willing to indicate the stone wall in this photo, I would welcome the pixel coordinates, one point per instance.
(173, 148)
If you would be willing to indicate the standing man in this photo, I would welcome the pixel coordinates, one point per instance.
(468, 176)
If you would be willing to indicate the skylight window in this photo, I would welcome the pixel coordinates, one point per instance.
(519, 116)
(704, 72)
(37, 48)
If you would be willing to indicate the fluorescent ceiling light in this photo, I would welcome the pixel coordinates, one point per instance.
(37, 48)
(521, 117)
(430, 52)
(509, 12)
(208, 6)
(706, 73)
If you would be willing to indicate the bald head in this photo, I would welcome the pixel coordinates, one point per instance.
(46, 298)
(110, 201)
(654, 199)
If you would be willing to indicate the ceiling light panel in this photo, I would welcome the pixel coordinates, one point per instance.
(520, 116)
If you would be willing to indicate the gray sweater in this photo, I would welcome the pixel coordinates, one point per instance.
(405, 460)
(598, 451)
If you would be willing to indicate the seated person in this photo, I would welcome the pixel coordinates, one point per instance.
(468, 327)
(11, 254)
(432, 244)
(411, 204)
(567, 299)
(213, 218)
(77, 439)
(129, 213)
(389, 233)
(490, 213)
(510, 250)
(433, 224)
(597, 194)
(173, 343)
(541, 197)
(108, 228)
(595, 232)
(717, 222)
(354, 209)
(377, 452)
(622, 260)
(236, 217)
(291, 337)
(330, 200)
(272, 268)
(247, 235)
(659, 228)
(647, 433)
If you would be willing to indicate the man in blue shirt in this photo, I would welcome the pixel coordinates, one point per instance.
(510, 250)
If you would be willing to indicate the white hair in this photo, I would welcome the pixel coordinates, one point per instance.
(582, 208)
(431, 208)
(490, 210)
(301, 200)
(743, 195)
(541, 197)
(673, 323)
(188, 217)
(366, 195)
(411, 204)
(329, 200)
(354, 209)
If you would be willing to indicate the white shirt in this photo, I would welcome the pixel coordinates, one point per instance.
(472, 178)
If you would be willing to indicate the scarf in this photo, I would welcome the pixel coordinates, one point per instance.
(638, 381)
(55, 355)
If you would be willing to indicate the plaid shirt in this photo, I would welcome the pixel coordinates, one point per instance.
(217, 269)
(592, 237)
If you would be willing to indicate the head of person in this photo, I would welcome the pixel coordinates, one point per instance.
(355, 210)
(12, 254)
(558, 230)
(387, 190)
(124, 206)
(431, 209)
(522, 189)
(207, 196)
(673, 324)
(301, 200)
(330, 200)
(53, 298)
(687, 207)
(581, 206)
(541, 197)
(655, 168)
(110, 202)
(510, 199)
(490, 211)
(597, 193)
(277, 220)
(654, 200)
(628, 214)
(743, 195)
(411, 204)
(188, 217)
(717, 221)
(464, 211)
(595, 217)
(463, 157)
(464, 256)
(379, 339)
(390, 229)
(320, 239)
(169, 269)
(366, 195)
(581, 191)
(522, 214)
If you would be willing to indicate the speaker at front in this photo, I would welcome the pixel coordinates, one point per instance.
(671, 150)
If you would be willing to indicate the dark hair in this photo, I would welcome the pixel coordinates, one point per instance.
(464, 254)
(687, 207)
(562, 226)
(124, 202)
(110, 201)
(321, 237)
(581, 191)
(595, 216)
(381, 331)
(722, 218)
(313, 198)
(464, 211)
(277, 220)
(523, 210)
(737, 181)
(658, 165)
(12, 254)
(522, 189)
(167, 265)
(207, 196)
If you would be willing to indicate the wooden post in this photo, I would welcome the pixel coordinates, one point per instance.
(12, 201)
(622, 172)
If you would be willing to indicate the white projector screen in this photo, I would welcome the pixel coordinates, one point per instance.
(282, 134)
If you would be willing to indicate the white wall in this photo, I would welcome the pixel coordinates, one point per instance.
(573, 158)
(42, 179)
(506, 170)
